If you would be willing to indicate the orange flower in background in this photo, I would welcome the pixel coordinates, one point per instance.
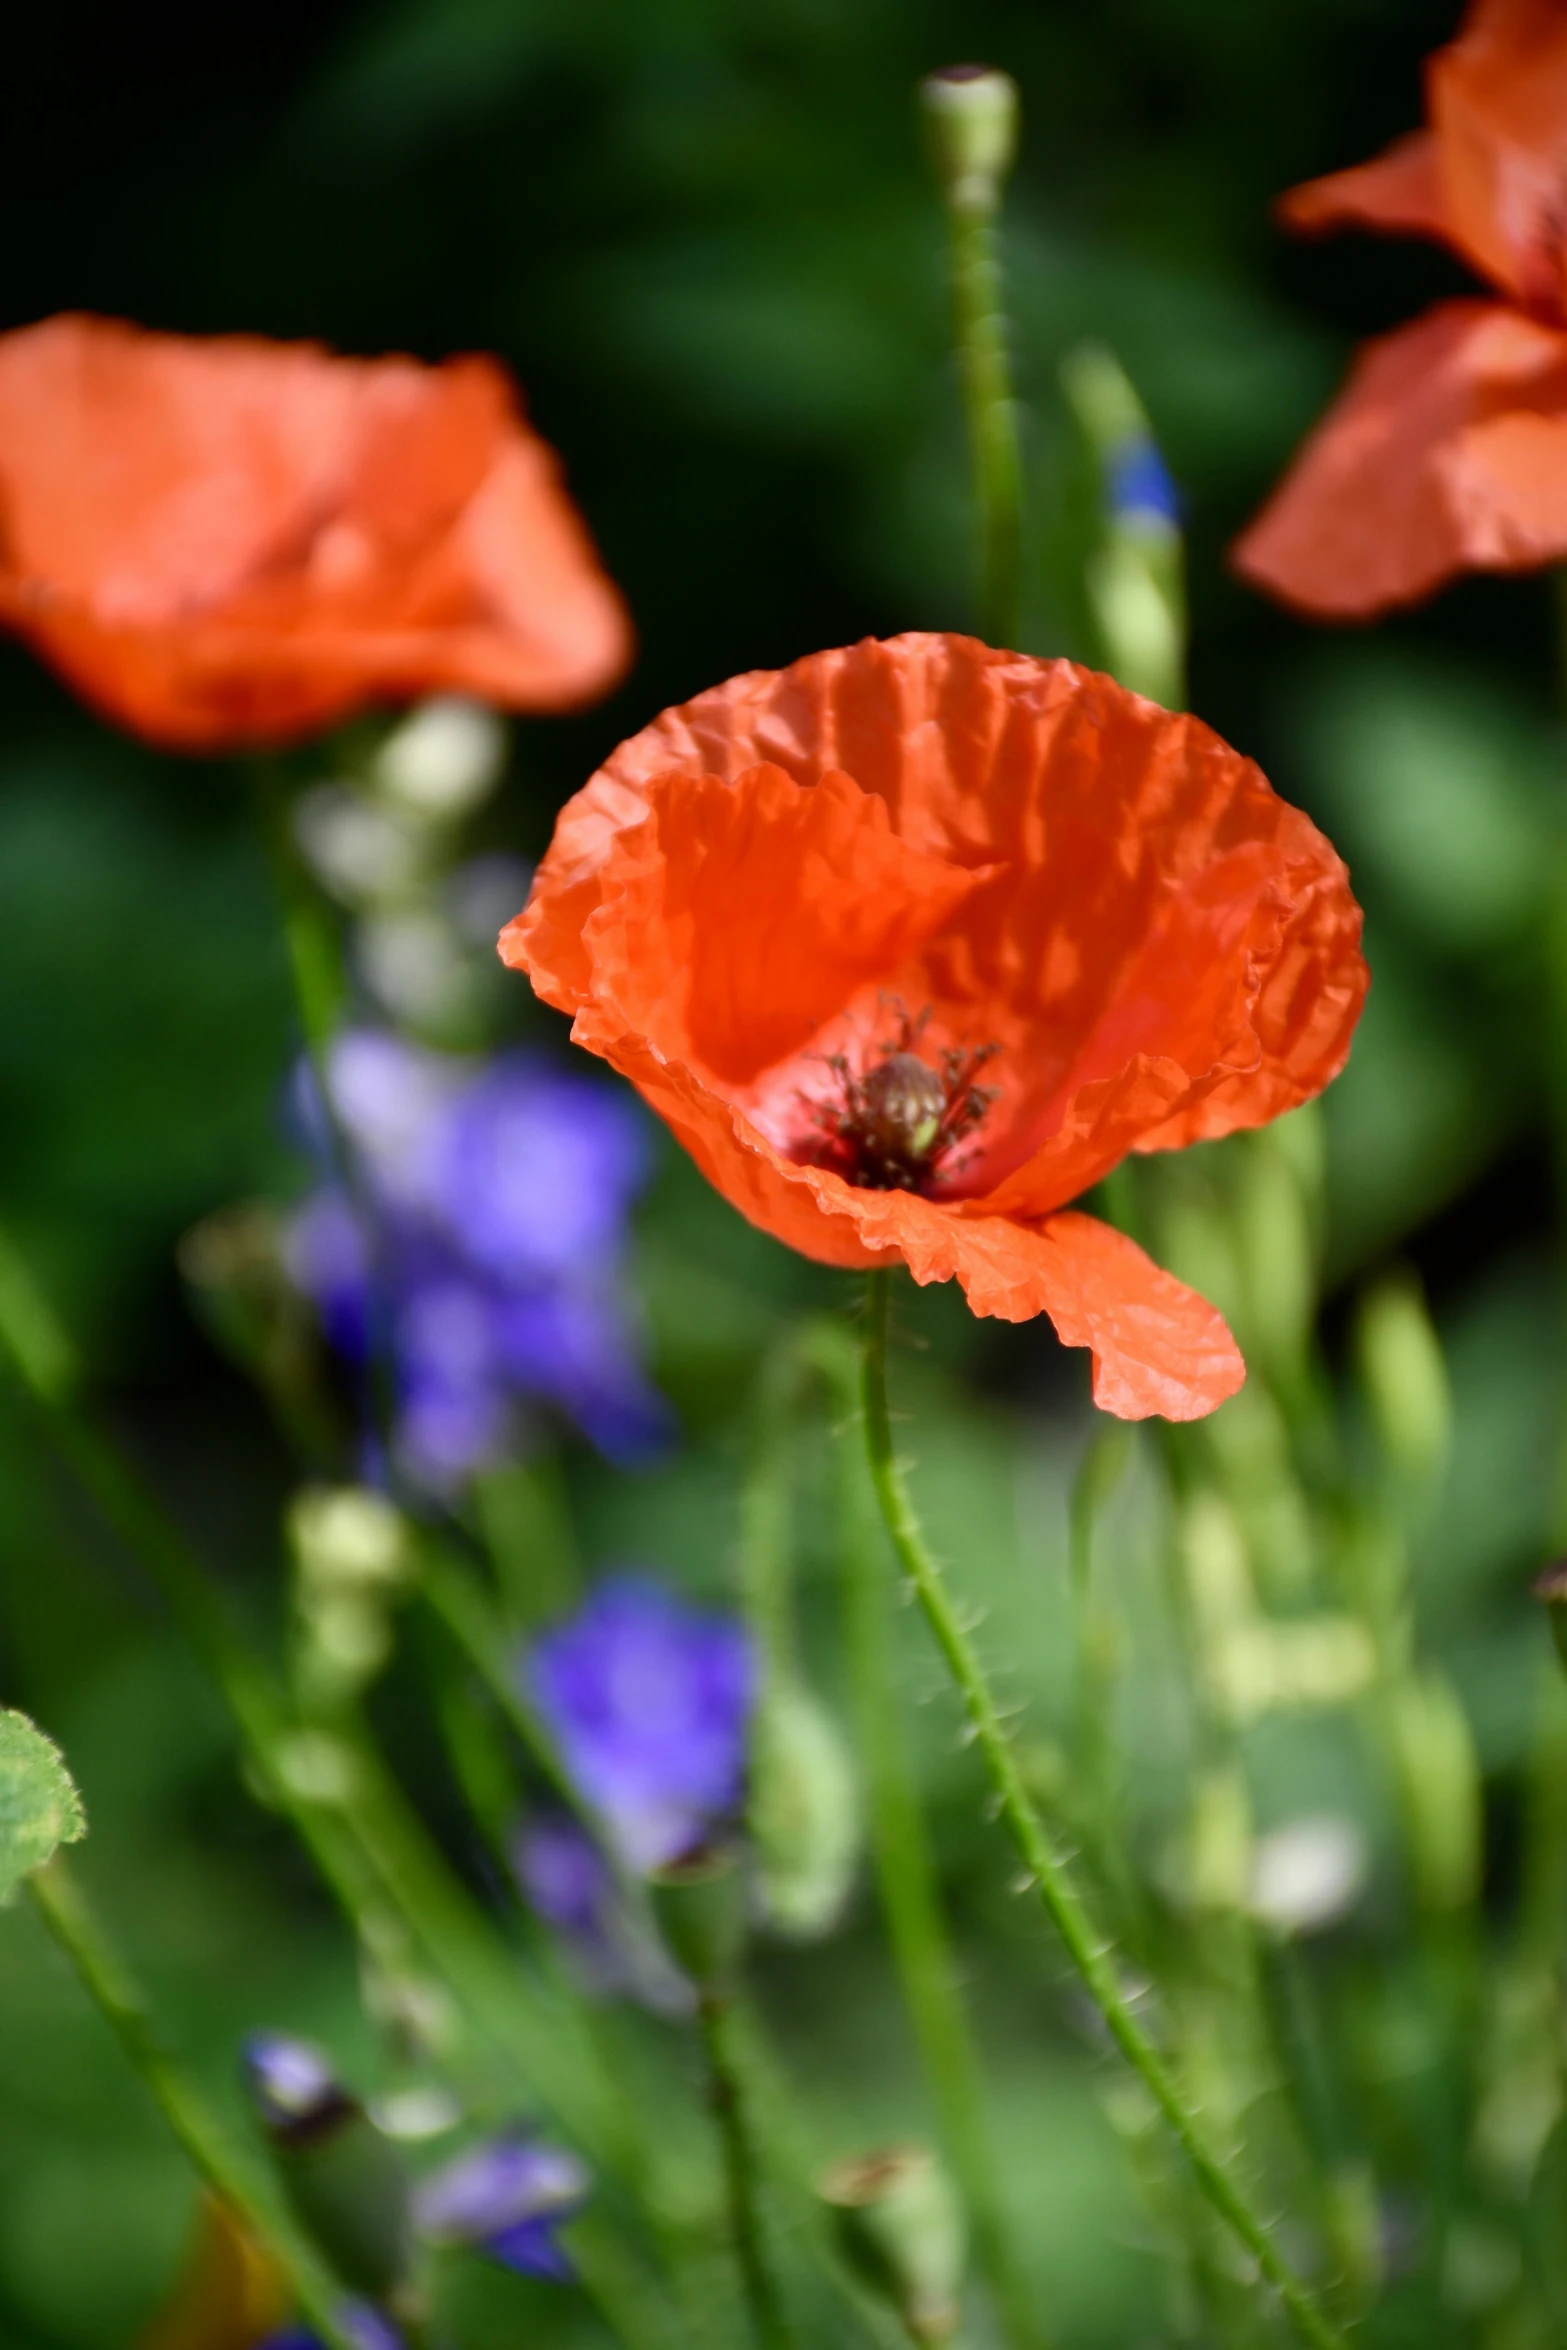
(231, 542)
(911, 943)
(1447, 451)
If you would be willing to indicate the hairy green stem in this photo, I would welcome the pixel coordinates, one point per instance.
(990, 413)
(63, 1906)
(907, 1878)
(726, 2093)
(1057, 1893)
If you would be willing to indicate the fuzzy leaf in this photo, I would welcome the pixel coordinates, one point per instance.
(39, 1805)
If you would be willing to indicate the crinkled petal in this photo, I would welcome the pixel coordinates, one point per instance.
(230, 542)
(1446, 452)
(736, 920)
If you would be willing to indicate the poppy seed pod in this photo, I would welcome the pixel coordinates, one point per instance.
(698, 1905)
(345, 2180)
(900, 2228)
(970, 117)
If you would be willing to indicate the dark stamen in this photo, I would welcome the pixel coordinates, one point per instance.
(897, 1122)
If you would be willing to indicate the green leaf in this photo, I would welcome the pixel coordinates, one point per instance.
(39, 1805)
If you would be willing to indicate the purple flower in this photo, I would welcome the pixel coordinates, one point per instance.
(649, 1701)
(363, 2327)
(475, 1241)
(535, 1171)
(507, 2197)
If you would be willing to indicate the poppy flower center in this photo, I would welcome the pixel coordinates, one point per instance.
(896, 1123)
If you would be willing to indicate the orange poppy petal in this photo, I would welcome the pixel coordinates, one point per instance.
(735, 919)
(1399, 192)
(1497, 101)
(1163, 939)
(232, 542)
(1446, 452)
(1157, 1346)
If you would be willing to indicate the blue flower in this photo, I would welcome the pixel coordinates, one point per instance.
(507, 2198)
(477, 1245)
(649, 1701)
(363, 2327)
(1138, 487)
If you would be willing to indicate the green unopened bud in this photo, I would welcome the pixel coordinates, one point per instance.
(344, 2178)
(348, 1538)
(443, 760)
(352, 1554)
(1218, 1843)
(1439, 1777)
(1404, 1376)
(970, 117)
(699, 1908)
(804, 1813)
(900, 2228)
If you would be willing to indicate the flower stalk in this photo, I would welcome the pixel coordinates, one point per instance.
(906, 1870)
(970, 116)
(1057, 1892)
(731, 2112)
(58, 1897)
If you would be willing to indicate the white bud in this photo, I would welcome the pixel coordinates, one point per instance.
(358, 852)
(444, 760)
(1308, 1873)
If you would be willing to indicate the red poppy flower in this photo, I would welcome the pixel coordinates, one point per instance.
(910, 943)
(1447, 451)
(231, 542)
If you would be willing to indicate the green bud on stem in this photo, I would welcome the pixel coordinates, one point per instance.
(699, 1908)
(970, 117)
(900, 2228)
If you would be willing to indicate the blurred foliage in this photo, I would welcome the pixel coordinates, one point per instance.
(700, 231)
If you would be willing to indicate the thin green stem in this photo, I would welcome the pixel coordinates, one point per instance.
(63, 1906)
(906, 1869)
(1057, 1893)
(726, 2093)
(990, 412)
(371, 1851)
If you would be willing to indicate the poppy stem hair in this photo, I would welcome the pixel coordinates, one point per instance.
(970, 116)
(1062, 1903)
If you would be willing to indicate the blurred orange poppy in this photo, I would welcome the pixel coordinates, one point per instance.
(911, 943)
(1447, 451)
(229, 542)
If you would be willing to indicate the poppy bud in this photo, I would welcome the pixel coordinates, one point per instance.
(1404, 1376)
(803, 1812)
(970, 117)
(699, 1909)
(443, 761)
(1433, 1753)
(351, 1552)
(345, 2180)
(900, 2228)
